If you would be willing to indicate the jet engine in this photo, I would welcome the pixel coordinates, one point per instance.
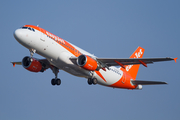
(87, 62)
(32, 64)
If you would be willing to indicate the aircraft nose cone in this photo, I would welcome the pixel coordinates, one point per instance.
(17, 34)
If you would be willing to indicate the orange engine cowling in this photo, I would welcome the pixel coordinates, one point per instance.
(87, 62)
(31, 64)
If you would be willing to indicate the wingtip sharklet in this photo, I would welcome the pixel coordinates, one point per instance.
(175, 59)
(14, 64)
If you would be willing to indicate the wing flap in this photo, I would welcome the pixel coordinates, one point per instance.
(139, 82)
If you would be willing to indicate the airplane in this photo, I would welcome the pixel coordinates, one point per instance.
(60, 54)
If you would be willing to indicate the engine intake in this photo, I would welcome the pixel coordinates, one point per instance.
(32, 64)
(87, 62)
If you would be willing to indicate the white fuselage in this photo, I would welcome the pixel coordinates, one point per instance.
(59, 56)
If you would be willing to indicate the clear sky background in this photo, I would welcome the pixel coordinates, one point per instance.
(106, 28)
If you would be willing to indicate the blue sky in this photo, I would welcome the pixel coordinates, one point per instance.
(106, 28)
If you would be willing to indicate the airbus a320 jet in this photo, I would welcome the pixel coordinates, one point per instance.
(60, 54)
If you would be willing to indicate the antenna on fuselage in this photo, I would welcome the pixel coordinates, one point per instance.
(37, 25)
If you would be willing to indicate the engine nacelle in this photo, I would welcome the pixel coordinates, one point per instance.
(31, 64)
(87, 62)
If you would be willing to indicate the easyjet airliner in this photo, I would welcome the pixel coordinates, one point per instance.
(62, 55)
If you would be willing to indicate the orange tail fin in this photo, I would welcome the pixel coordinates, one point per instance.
(133, 69)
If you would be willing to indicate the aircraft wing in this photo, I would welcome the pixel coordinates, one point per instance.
(132, 61)
(107, 62)
(45, 63)
(16, 63)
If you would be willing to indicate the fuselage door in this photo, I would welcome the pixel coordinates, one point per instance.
(43, 37)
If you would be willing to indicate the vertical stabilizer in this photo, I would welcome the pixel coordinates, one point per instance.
(133, 69)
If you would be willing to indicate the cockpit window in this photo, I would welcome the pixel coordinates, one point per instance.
(24, 27)
(32, 29)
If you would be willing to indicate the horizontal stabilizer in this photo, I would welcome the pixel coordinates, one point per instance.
(138, 82)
